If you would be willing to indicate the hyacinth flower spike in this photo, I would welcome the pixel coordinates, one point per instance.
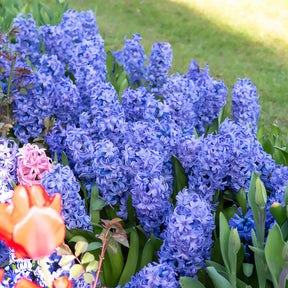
(32, 225)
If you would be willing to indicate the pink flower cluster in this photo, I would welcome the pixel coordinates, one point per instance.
(32, 162)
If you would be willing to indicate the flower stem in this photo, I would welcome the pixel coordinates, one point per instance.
(46, 272)
(104, 247)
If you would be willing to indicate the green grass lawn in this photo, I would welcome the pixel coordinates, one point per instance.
(237, 41)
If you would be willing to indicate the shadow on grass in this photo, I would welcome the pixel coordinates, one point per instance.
(230, 55)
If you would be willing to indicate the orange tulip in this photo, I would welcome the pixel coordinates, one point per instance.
(32, 225)
(1, 275)
(25, 283)
(62, 282)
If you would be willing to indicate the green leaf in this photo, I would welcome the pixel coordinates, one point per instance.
(218, 280)
(131, 212)
(77, 238)
(95, 214)
(273, 253)
(13, 184)
(87, 258)
(180, 179)
(124, 85)
(260, 134)
(64, 249)
(242, 201)
(258, 252)
(76, 271)
(97, 204)
(132, 258)
(94, 246)
(224, 239)
(88, 278)
(64, 161)
(223, 272)
(286, 196)
(80, 247)
(66, 259)
(230, 211)
(275, 131)
(278, 212)
(284, 229)
(147, 253)
(189, 282)
(55, 157)
(268, 146)
(92, 266)
(109, 64)
(121, 239)
(248, 269)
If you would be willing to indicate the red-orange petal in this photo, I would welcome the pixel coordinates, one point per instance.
(20, 201)
(7, 225)
(25, 283)
(38, 196)
(62, 282)
(56, 203)
(39, 233)
(1, 275)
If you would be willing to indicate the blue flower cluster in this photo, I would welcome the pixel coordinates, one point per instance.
(188, 237)
(154, 276)
(139, 104)
(212, 95)
(53, 94)
(245, 109)
(133, 59)
(62, 180)
(149, 190)
(160, 62)
(8, 165)
(225, 160)
(124, 143)
(27, 40)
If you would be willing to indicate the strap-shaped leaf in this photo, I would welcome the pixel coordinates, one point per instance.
(218, 280)
(273, 253)
(224, 240)
(189, 282)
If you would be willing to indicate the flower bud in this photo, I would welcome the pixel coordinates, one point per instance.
(260, 194)
(236, 241)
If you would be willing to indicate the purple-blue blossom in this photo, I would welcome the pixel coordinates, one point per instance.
(133, 59)
(62, 180)
(212, 95)
(245, 109)
(8, 166)
(111, 178)
(188, 237)
(160, 62)
(27, 40)
(139, 104)
(154, 275)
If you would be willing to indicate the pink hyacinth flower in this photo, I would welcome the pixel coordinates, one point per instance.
(32, 162)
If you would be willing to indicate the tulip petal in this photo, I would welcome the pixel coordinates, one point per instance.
(6, 227)
(1, 275)
(39, 233)
(62, 282)
(38, 196)
(56, 203)
(25, 283)
(20, 200)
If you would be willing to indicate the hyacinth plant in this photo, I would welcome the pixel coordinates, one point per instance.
(160, 184)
